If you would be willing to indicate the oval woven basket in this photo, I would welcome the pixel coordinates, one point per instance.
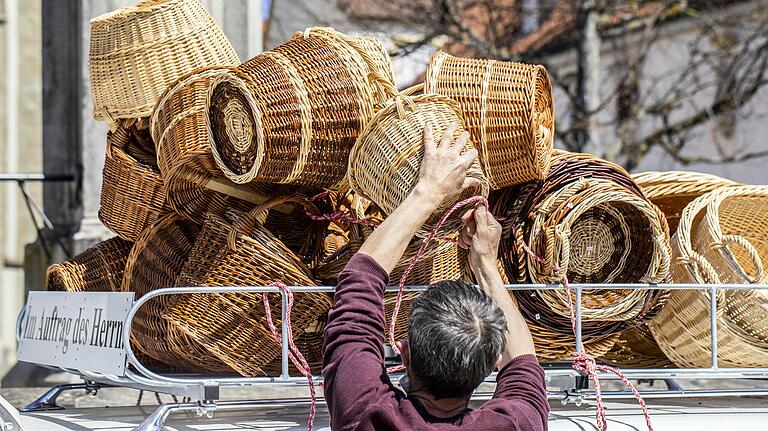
(232, 326)
(98, 269)
(193, 183)
(155, 262)
(508, 109)
(671, 191)
(291, 115)
(137, 51)
(722, 238)
(384, 163)
(557, 346)
(592, 223)
(132, 196)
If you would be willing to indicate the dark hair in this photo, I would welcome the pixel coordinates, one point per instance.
(456, 334)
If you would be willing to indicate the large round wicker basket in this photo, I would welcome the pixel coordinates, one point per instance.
(722, 238)
(508, 109)
(137, 51)
(590, 222)
(194, 185)
(98, 269)
(384, 164)
(132, 196)
(671, 191)
(233, 326)
(154, 263)
(292, 114)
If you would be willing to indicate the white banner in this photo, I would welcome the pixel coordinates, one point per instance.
(81, 331)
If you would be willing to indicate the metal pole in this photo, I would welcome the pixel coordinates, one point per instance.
(284, 329)
(579, 344)
(713, 322)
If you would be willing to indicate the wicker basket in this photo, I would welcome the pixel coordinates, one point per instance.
(291, 115)
(722, 238)
(154, 263)
(132, 196)
(98, 269)
(384, 164)
(592, 222)
(558, 346)
(136, 52)
(508, 109)
(636, 348)
(232, 326)
(672, 191)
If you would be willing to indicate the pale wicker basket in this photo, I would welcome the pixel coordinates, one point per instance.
(508, 109)
(137, 51)
(671, 191)
(722, 238)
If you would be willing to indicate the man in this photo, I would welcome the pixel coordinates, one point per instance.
(457, 333)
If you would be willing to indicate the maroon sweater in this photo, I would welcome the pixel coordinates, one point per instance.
(357, 388)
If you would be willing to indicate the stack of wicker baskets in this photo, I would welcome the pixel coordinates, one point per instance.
(216, 193)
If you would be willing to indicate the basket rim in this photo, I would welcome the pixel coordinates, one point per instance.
(135, 10)
(233, 78)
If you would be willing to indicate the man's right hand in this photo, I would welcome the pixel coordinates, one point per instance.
(481, 235)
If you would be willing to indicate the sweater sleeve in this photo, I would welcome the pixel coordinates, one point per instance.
(521, 393)
(353, 354)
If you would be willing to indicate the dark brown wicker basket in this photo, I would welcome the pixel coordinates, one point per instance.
(154, 263)
(241, 252)
(98, 269)
(132, 196)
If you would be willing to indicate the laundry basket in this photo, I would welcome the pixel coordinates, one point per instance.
(98, 269)
(722, 238)
(239, 251)
(671, 191)
(508, 109)
(292, 114)
(132, 196)
(137, 51)
(154, 263)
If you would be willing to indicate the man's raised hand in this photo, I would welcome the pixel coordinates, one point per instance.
(443, 170)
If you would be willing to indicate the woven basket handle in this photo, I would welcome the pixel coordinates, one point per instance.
(247, 223)
(754, 255)
(410, 91)
(698, 264)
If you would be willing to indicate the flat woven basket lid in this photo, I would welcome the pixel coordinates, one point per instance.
(137, 51)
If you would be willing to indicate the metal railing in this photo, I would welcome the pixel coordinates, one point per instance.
(204, 389)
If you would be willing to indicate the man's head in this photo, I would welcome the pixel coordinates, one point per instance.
(455, 336)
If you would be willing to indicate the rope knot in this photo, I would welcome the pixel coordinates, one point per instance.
(584, 364)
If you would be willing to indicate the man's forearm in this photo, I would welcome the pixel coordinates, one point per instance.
(388, 241)
(519, 341)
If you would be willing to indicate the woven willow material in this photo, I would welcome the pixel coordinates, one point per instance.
(136, 52)
(557, 346)
(384, 164)
(98, 269)
(291, 115)
(508, 109)
(132, 196)
(591, 221)
(154, 263)
(722, 238)
(636, 348)
(672, 191)
(232, 326)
